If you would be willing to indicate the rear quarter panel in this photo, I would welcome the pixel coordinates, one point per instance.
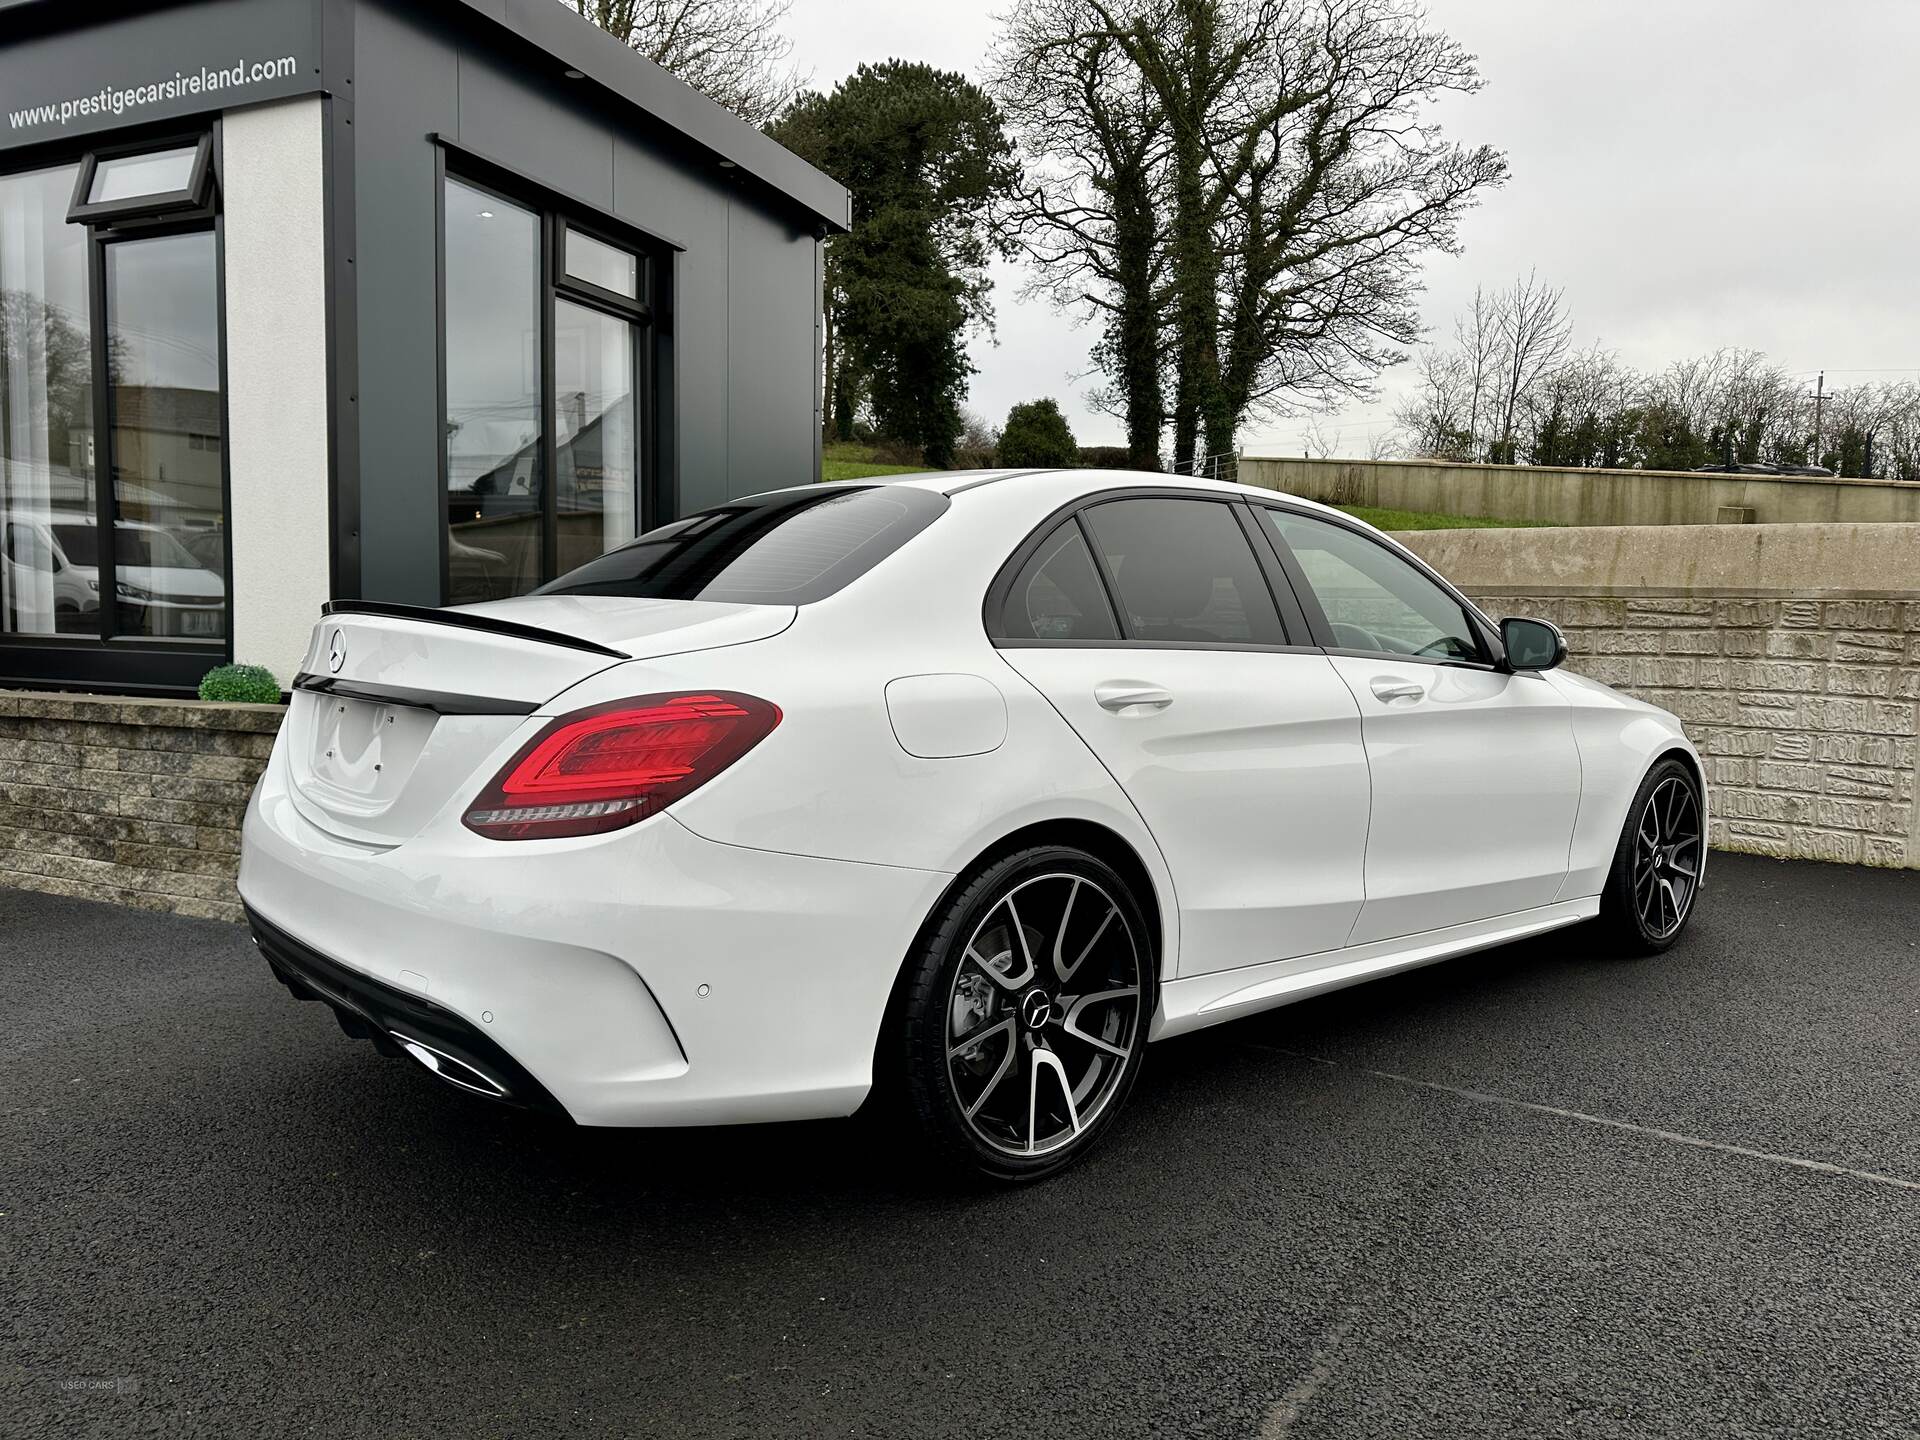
(834, 780)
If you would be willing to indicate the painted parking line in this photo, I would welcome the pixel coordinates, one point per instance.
(1674, 1137)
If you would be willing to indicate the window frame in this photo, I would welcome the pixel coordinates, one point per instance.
(554, 213)
(104, 658)
(634, 307)
(154, 205)
(1294, 622)
(1015, 571)
(1492, 653)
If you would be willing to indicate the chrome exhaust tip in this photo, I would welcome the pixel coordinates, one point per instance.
(454, 1071)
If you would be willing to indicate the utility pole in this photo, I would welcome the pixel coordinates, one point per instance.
(1819, 406)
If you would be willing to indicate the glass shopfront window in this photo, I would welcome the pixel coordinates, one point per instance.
(495, 459)
(546, 339)
(596, 478)
(111, 419)
(164, 403)
(46, 408)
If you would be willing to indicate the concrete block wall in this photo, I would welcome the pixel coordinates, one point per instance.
(133, 801)
(1587, 497)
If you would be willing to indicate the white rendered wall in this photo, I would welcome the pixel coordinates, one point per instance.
(274, 205)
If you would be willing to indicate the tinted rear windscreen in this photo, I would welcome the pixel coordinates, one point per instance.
(787, 549)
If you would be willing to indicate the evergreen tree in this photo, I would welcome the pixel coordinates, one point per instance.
(927, 161)
(1037, 434)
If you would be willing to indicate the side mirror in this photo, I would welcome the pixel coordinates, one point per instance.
(1532, 644)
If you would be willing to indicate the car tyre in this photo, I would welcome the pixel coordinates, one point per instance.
(1657, 864)
(1023, 1022)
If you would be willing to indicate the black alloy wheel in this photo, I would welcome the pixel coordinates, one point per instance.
(1026, 1013)
(1656, 873)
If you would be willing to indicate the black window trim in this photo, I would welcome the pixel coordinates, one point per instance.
(1293, 620)
(638, 308)
(1493, 654)
(156, 204)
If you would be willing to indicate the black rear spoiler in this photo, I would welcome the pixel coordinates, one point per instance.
(428, 615)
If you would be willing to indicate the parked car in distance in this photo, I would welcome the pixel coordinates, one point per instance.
(961, 787)
(1758, 467)
(162, 589)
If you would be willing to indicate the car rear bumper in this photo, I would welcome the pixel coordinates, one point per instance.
(646, 977)
(399, 1022)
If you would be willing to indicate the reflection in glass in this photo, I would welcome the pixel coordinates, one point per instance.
(593, 414)
(164, 351)
(601, 264)
(790, 548)
(1374, 600)
(46, 407)
(493, 478)
(158, 172)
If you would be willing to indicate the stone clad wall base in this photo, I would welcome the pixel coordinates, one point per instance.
(137, 802)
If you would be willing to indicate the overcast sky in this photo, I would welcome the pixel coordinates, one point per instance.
(1695, 173)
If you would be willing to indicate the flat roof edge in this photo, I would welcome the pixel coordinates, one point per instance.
(574, 43)
(579, 44)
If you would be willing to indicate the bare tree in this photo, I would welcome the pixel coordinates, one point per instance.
(1477, 334)
(1089, 213)
(731, 51)
(1535, 332)
(1316, 442)
(1585, 408)
(1338, 187)
(1436, 420)
(1292, 184)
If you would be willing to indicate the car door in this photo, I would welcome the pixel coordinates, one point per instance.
(1476, 775)
(1154, 630)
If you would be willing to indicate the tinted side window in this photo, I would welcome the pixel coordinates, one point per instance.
(1058, 594)
(1374, 600)
(1184, 572)
(787, 549)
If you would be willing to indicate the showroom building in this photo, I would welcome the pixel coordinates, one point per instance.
(367, 299)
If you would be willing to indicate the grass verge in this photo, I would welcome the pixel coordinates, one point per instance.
(850, 460)
(1382, 519)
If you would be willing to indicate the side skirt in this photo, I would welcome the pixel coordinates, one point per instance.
(1198, 1001)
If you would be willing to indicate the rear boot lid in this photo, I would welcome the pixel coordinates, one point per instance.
(397, 709)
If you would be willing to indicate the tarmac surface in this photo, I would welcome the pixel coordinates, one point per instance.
(1535, 1192)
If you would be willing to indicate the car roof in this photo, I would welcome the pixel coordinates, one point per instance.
(70, 517)
(957, 482)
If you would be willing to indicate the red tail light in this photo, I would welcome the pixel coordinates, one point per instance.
(616, 764)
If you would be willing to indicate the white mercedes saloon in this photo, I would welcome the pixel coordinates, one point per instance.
(956, 789)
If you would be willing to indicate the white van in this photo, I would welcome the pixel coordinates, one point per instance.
(50, 561)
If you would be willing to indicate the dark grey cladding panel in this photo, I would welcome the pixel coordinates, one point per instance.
(737, 382)
(528, 120)
(407, 86)
(667, 197)
(771, 344)
(632, 80)
(69, 70)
